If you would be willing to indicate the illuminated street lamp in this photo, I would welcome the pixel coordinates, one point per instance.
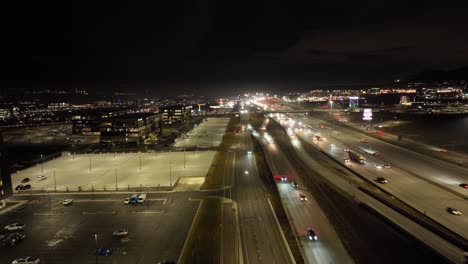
(331, 106)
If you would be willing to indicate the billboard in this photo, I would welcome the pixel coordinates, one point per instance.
(367, 114)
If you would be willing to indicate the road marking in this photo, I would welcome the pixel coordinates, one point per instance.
(148, 212)
(98, 212)
(50, 213)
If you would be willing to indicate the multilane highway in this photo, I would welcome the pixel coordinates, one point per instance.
(402, 183)
(328, 248)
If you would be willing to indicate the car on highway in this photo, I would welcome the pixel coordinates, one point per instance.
(453, 211)
(295, 185)
(104, 251)
(12, 239)
(386, 166)
(67, 202)
(376, 153)
(15, 227)
(346, 149)
(378, 166)
(26, 260)
(303, 198)
(464, 185)
(25, 180)
(332, 145)
(363, 140)
(249, 152)
(284, 178)
(41, 177)
(120, 233)
(311, 234)
(381, 180)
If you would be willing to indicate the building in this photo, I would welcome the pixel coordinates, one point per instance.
(135, 128)
(5, 178)
(175, 114)
(87, 123)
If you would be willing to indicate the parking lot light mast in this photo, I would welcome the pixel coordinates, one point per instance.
(116, 177)
(42, 169)
(55, 182)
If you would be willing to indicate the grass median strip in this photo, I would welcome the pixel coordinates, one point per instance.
(203, 241)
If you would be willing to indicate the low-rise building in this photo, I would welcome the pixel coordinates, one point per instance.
(132, 128)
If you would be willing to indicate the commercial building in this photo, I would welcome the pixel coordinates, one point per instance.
(132, 128)
(5, 177)
(175, 114)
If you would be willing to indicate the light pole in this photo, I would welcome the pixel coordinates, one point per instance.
(140, 158)
(170, 174)
(116, 177)
(147, 195)
(184, 158)
(42, 170)
(331, 106)
(96, 239)
(55, 182)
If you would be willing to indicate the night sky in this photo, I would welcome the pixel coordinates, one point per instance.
(227, 46)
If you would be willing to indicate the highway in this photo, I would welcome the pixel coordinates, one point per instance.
(328, 248)
(262, 239)
(402, 183)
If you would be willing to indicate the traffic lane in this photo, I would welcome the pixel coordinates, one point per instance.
(441, 172)
(68, 237)
(262, 240)
(417, 193)
(329, 248)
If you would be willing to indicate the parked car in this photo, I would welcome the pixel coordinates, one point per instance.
(464, 185)
(22, 187)
(295, 185)
(120, 233)
(67, 202)
(26, 260)
(25, 180)
(41, 177)
(12, 239)
(141, 198)
(386, 166)
(104, 251)
(15, 227)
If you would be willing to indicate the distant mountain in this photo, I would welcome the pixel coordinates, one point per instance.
(439, 75)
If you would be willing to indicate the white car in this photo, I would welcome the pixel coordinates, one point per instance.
(378, 166)
(67, 202)
(41, 178)
(333, 145)
(120, 233)
(26, 260)
(15, 227)
(126, 201)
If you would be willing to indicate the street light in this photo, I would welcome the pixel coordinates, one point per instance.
(42, 170)
(55, 182)
(140, 158)
(331, 106)
(116, 177)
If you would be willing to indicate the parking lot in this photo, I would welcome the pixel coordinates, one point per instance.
(112, 171)
(207, 134)
(65, 234)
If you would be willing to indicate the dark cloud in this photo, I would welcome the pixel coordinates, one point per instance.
(203, 42)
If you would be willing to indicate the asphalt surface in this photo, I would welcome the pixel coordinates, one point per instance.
(402, 183)
(262, 239)
(65, 234)
(207, 134)
(328, 248)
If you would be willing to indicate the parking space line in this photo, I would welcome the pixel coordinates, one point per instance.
(98, 212)
(148, 212)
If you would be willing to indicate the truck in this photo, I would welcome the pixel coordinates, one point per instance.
(357, 157)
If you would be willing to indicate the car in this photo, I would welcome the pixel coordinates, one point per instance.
(378, 166)
(141, 198)
(363, 140)
(120, 233)
(126, 201)
(375, 153)
(283, 178)
(346, 149)
(381, 180)
(295, 185)
(104, 251)
(464, 185)
(443, 150)
(25, 180)
(303, 198)
(133, 199)
(12, 239)
(67, 202)
(386, 166)
(26, 260)
(22, 187)
(453, 211)
(311, 234)
(15, 227)
(41, 177)
(249, 152)
(333, 145)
